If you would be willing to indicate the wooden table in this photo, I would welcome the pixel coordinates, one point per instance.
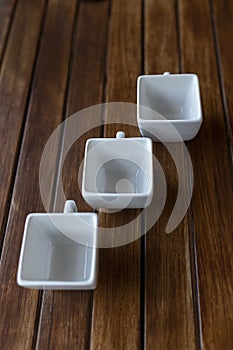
(162, 291)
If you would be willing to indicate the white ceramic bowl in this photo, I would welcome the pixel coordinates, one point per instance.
(169, 106)
(51, 260)
(118, 172)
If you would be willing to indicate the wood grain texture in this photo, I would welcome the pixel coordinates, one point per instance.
(7, 8)
(222, 13)
(169, 314)
(87, 83)
(161, 49)
(116, 304)
(212, 199)
(15, 75)
(58, 57)
(18, 318)
(72, 310)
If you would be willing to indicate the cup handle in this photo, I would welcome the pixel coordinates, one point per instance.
(70, 207)
(120, 135)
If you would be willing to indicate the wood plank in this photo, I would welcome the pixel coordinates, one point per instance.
(222, 15)
(169, 314)
(116, 304)
(15, 76)
(7, 8)
(160, 37)
(18, 305)
(86, 86)
(65, 320)
(212, 200)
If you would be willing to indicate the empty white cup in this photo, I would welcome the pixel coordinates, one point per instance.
(169, 106)
(118, 172)
(51, 256)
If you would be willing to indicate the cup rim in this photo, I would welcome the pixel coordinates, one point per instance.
(197, 119)
(90, 282)
(89, 193)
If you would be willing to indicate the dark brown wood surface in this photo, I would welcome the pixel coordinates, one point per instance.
(118, 292)
(169, 300)
(73, 310)
(43, 115)
(6, 16)
(163, 291)
(15, 82)
(212, 199)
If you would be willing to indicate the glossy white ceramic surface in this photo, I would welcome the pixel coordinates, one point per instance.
(175, 100)
(118, 172)
(51, 260)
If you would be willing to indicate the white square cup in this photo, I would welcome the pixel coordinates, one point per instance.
(169, 106)
(118, 172)
(59, 251)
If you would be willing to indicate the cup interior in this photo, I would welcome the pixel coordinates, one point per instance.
(121, 176)
(50, 256)
(175, 97)
(118, 166)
